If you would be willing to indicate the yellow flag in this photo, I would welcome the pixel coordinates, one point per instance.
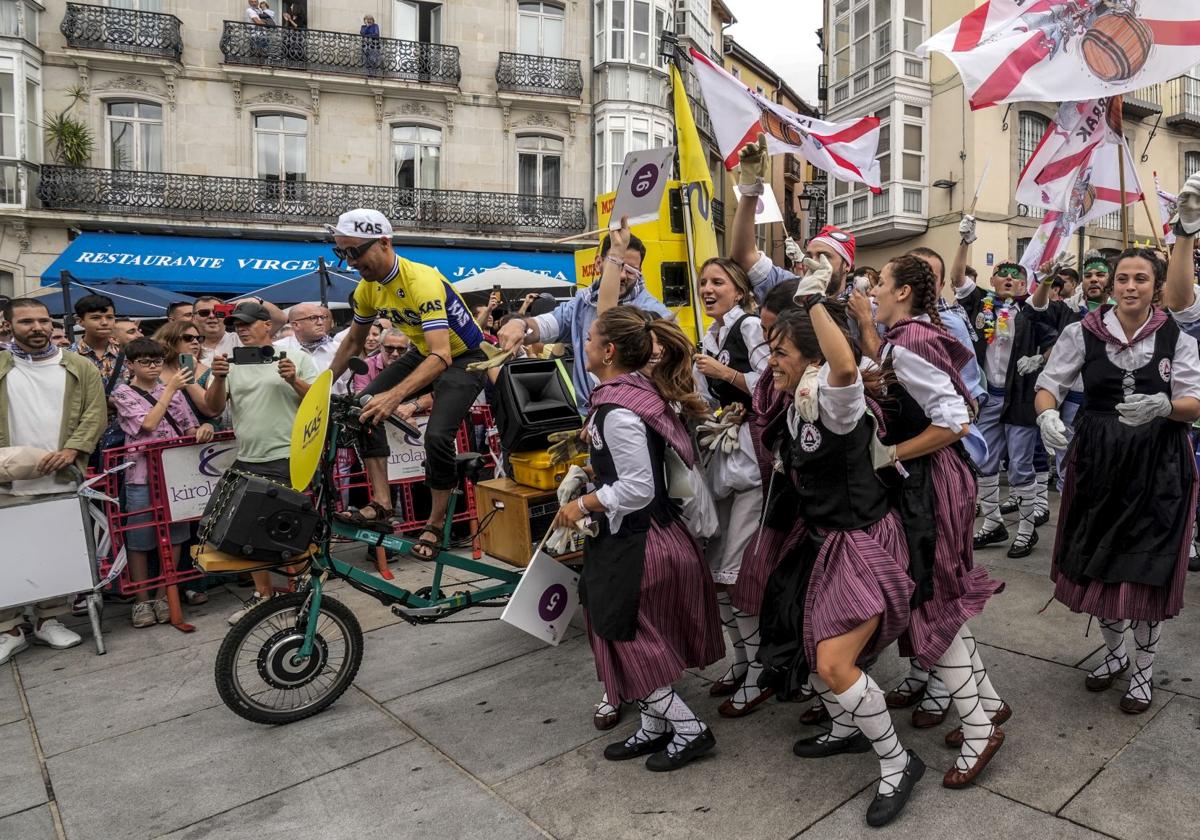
(697, 184)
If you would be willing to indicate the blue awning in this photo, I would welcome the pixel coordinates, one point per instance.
(233, 266)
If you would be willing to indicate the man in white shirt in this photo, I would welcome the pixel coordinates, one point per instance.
(310, 333)
(252, 13)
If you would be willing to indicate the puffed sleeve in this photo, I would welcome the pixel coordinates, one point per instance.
(841, 408)
(624, 434)
(1065, 363)
(931, 388)
(752, 335)
(1185, 368)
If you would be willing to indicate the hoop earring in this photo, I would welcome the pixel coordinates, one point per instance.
(608, 362)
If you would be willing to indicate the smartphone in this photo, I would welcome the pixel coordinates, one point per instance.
(188, 362)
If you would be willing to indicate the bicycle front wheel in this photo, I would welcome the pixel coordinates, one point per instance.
(259, 675)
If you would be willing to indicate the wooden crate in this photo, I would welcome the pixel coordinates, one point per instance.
(509, 536)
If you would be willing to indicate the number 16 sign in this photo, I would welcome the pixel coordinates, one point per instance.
(545, 600)
(643, 181)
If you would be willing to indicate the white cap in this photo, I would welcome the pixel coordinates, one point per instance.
(361, 223)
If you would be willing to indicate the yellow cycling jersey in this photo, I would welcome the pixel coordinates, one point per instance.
(418, 300)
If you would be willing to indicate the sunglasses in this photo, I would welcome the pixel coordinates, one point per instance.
(354, 252)
(392, 349)
(1009, 272)
(205, 313)
(189, 337)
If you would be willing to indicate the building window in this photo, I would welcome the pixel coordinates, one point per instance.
(841, 48)
(630, 30)
(415, 20)
(1022, 247)
(33, 126)
(884, 155)
(416, 156)
(539, 165)
(841, 94)
(914, 24)
(540, 28)
(839, 214)
(862, 37)
(881, 204)
(10, 155)
(135, 136)
(281, 148)
(7, 286)
(616, 137)
(859, 209)
(914, 152)
(1191, 164)
(1031, 127)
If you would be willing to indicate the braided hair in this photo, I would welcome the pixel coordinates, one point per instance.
(633, 333)
(915, 273)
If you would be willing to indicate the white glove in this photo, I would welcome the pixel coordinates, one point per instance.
(1186, 220)
(792, 250)
(755, 167)
(1054, 431)
(817, 274)
(1030, 364)
(882, 455)
(966, 230)
(572, 484)
(559, 541)
(1139, 409)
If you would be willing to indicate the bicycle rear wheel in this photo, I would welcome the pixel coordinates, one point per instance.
(258, 676)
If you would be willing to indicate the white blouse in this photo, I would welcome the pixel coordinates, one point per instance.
(1066, 359)
(931, 388)
(839, 409)
(752, 335)
(624, 434)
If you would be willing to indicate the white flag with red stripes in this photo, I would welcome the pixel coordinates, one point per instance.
(1065, 149)
(1095, 191)
(1167, 205)
(847, 151)
(1061, 50)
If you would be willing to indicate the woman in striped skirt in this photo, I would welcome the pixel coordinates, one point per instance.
(841, 593)
(649, 598)
(732, 361)
(927, 411)
(1129, 499)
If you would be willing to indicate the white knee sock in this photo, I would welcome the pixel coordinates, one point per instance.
(917, 677)
(864, 701)
(937, 696)
(987, 694)
(842, 725)
(1145, 635)
(747, 626)
(738, 668)
(1027, 508)
(989, 502)
(663, 709)
(1042, 480)
(604, 707)
(1114, 639)
(957, 672)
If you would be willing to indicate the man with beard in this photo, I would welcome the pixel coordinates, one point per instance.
(52, 400)
(831, 244)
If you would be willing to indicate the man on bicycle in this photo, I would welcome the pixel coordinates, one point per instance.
(444, 338)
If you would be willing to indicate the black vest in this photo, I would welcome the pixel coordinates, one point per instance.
(1105, 385)
(834, 478)
(735, 354)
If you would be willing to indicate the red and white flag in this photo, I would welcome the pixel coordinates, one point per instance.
(1068, 50)
(847, 151)
(1095, 191)
(1065, 149)
(1167, 205)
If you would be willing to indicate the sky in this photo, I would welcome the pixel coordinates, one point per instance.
(782, 33)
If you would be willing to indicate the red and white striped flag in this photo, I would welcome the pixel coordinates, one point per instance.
(1167, 205)
(1065, 149)
(1064, 50)
(1095, 191)
(847, 151)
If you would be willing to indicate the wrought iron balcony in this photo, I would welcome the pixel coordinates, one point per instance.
(171, 195)
(122, 30)
(1183, 104)
(539, 74)
(318, 51)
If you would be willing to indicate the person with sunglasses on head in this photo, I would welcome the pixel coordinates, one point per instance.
(1013, 341)
(180, 338)
(151, 407)
(445, 341)
(217, 340)
(570, 321)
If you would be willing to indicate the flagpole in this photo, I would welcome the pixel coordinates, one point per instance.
(1124, 206)
(1154, 226)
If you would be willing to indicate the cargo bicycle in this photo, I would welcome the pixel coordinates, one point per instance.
(295, 654)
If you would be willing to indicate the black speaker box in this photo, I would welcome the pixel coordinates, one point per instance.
(532, 401)
(253, 517)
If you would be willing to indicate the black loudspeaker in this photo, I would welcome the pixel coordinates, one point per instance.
(253, 517)
(532, 401)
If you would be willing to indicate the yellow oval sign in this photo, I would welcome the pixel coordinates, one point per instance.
(308, 432)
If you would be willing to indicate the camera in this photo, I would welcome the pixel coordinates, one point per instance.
(254, 355)
(223, 310)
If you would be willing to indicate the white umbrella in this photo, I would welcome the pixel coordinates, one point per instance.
(511, 278)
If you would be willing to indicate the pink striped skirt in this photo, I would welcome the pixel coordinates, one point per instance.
(859, 575)
(766, 548)
(678, 623)
(960, 588)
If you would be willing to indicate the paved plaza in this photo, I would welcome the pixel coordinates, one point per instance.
(472, 729)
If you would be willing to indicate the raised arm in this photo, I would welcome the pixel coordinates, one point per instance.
(835, 347)
(752, 175)
(958, 268)
(613, 267)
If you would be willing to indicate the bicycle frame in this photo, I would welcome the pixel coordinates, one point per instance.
(408, 605)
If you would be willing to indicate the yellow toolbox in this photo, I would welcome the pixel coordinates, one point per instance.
(533, 469)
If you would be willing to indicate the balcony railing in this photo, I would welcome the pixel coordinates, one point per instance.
(793, 167)
(1143, 102)
(122, 30)
(539, 74)
(171, 195)
(318, 51)
(1182, 104)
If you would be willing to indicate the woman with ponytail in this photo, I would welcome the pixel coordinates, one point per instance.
(841, 591)
(649, 598)
(928, 412)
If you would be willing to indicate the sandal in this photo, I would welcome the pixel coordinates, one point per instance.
(429, 549)
(378, 522)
